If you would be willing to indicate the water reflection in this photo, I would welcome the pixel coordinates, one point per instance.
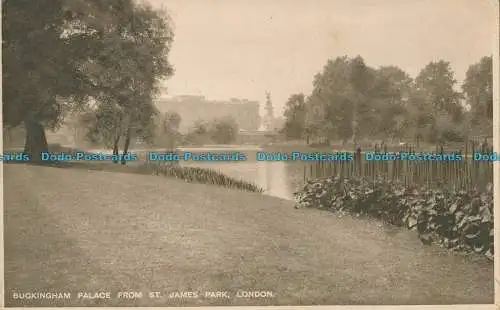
(275, 180)
(273, 177)
(278, 179)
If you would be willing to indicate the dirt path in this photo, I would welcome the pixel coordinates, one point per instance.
(76, 230)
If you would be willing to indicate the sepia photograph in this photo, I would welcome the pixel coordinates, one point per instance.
(205, 153)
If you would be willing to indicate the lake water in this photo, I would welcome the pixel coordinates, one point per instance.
(277, 178)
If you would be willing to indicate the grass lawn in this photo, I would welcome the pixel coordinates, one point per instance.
(79, 230)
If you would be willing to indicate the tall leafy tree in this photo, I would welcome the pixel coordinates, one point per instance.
(478, 90)
(391, 90)
(351, 100)
(41, 59)
(339, 106)
(54, 60)
(437, 81)
(132, 62)
(420, 120)
(436, 97)
(295, 117)
(104, 125)
(171, 122)
(168, 129)
(363, 90)
(44, 45)
(329, 110)
(224, 130)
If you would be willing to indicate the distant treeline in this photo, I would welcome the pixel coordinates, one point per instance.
(351, 101)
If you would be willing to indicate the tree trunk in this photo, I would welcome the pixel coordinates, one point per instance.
(36, 141)
(355, 125)
(7, 137)
(116, 150)
(126, 146)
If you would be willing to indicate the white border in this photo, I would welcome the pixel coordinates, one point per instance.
(2, 274)
(496, 148)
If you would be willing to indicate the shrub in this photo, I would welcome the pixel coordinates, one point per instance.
(224, 130)
(451, 135)
(201, 175)
(459, 220)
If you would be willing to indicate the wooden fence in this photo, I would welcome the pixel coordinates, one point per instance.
(460, 174)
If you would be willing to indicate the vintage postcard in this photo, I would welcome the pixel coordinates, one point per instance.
(264, 153)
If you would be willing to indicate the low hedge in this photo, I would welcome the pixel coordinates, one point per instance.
(455, 219)
(202, 175)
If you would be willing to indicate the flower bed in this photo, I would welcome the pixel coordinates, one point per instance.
(459, 220)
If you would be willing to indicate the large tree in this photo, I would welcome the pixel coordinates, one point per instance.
(45, 44)
(390, 94)
(341, 106)
(329, 110)
(168, 134)
(224, 130)
(295, 117)
(439, 103)
(171, 121)
(437, 81)
(57, 56)
(363, 90)
(478, 90)
(104, 125)
(132, 62)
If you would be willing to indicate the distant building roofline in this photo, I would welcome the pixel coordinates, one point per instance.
(201, 97)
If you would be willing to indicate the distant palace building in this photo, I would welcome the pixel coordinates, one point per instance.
(194, 108)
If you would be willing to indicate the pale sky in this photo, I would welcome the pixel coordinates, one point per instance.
(241, 48)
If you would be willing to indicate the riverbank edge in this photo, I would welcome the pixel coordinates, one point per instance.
(165, 169)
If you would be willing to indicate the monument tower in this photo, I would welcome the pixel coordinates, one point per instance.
(268, 119)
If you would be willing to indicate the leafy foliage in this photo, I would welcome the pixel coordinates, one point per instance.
(459, 220)
(352, 101)
(63, 55)
(126, 74)
(27, 77)
(103, 125)
(167, 133)
(202, 175)
(295, 115)
(437, 80)
(478, 90)
(222, 130)
(171, 121)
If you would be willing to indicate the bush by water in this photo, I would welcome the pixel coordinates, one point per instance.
(173, 169)
(202, 175)
(455, 219)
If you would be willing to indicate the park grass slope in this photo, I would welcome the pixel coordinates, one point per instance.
(76, 230)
